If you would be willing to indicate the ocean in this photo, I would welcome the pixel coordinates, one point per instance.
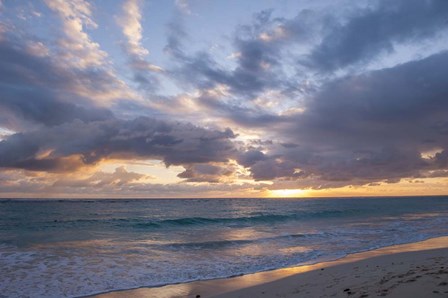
(69, 248)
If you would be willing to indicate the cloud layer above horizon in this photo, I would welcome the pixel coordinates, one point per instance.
(220, 98)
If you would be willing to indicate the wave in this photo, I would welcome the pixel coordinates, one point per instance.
(244, 220)
(236, 242)
(145, 223)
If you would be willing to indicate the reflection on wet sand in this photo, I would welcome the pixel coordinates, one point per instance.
(220, 286)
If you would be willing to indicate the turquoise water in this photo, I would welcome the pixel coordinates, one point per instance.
(66, 248)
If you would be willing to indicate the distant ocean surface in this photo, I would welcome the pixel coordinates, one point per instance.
(66, 248)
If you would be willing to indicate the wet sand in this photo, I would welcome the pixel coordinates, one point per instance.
(411, 270)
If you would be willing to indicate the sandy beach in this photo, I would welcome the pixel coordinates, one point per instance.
(411, 274)
(200, 149)
(411, 270)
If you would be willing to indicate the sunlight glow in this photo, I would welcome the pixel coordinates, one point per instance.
(287, 193)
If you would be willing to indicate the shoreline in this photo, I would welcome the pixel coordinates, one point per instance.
(259, 283)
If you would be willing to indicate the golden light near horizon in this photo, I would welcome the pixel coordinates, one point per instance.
(287, 193)
(207, 113)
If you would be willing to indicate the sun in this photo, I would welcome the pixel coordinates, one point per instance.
(287, 193)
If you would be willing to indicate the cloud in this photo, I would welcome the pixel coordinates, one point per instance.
(183, 6)
(232, 94)
(118, 184)
(77, 48)
(176, 36)
(77, 53)
(272, 168)
(39, 88)
(243, 116)
(259, 85)
(130, 22)
(257, 60)
(371, 31)
(35, 90)
(365, 128)
(301, 125)
(250, 157)
(132, 28)
(88, 143)
(211, 173)
(100, 180)
(397, 106)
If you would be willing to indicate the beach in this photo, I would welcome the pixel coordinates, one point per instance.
(199, 149)
(181, 247)
(417, 269)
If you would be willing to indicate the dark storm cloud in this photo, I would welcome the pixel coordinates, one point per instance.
(369, 127)
(38, 105)
(396, 106)
(175, 38)
(73, 132)
(243, 116)
(271, 168)
(146, 81)
(206, 173)
(355, 130)
(250, 157)
(258, 54)
(35, 90)
(442, 158)
(257, 58)
(174, 143)
(374, 30)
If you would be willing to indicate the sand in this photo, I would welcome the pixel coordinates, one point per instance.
(411, 270)
(413, 274)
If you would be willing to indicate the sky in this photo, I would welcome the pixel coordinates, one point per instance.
(223, 98)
